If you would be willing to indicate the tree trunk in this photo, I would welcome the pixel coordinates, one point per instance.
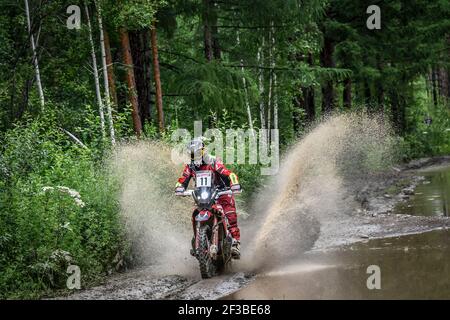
(448, 69)
(443, 77)
(140, 48)
(148, 58)
(25, 97)
(247, 103)
(210, 31)
(244, 83)
(207, 30)
(380, 96)
(395, 110)
(327, 97)
(448, 83)
(260, 59)
(110, 68)
(105, 76)
(402, 114)
(270, 93)
(274, 79)
(304, 100)
(433, 84)
(269, 101)
(306, 97)
(379, 83)
(398, 111)
(217, 52)
(275, 102)
(309, 104)
(95, 71)
(368, 96)
(128, 60)
(157, 75)
(347, 93)
(35, 58)
(148, 73)
(326, 57)
(298, 103)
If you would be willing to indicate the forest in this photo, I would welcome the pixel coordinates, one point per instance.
(78, 78)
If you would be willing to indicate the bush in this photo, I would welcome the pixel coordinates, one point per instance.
(57, 207)
(429, 139)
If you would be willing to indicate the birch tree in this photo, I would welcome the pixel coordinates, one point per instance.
(270, 93)
(260, 58)
(110, 69)
(95, 71)
(275, 97)
(105, 76)
(35, 58)
(156, 73)
(244, 83)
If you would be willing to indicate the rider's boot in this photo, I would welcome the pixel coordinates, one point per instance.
(236, 249)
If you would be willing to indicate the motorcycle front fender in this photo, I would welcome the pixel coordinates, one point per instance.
(203, 216)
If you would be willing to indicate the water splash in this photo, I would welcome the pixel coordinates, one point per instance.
(157, 222)
(314, 186)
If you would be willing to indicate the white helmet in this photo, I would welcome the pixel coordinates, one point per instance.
(196, 149)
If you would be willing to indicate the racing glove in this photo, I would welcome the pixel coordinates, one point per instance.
(236, 188)
(179, 190)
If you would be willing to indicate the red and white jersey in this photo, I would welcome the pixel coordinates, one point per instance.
(223, 176)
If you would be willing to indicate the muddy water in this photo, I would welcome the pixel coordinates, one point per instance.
(414, 266)
(432, 196)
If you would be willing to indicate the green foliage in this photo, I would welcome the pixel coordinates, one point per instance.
(58, 206)
(249, 174)
(212, 86)
(133, 14)
(428, 139)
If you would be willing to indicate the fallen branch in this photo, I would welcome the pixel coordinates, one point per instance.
(74, 138)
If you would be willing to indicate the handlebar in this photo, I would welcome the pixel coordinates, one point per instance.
(225, 192)
(189, 193)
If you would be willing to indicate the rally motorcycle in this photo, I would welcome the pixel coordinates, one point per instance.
(212, 241)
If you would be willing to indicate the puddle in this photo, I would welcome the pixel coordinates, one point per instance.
(431, 197)
(412, 267)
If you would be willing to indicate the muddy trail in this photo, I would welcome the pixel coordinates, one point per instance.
(339, 185)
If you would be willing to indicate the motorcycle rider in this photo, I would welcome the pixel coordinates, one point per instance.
(202, 160)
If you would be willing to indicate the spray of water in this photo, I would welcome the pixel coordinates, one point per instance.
(314, 186)
(157, 222)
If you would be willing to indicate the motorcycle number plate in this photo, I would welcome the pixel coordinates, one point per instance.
(203, 179)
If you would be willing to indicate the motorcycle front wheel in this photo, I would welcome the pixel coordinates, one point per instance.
(208, 268)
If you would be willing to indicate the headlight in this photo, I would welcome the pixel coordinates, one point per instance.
(204, 195)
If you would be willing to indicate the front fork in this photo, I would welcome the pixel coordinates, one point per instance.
(213, 247)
